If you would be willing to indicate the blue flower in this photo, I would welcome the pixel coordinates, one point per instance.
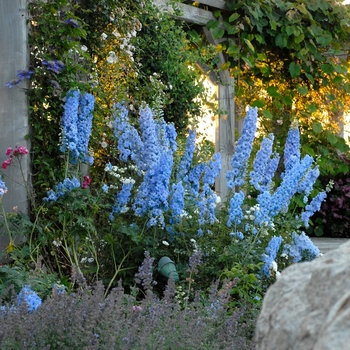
(235, 214)
(69, 123)
(270, 254)
(235, 177)
(176, 203)
(301, 248)
(105, 188)
(292, 148)
(122, 199)
(129, 141)
(3, 188)
(307, 183)
(237, 234)
(62, 188)
(186, 160)
(314, 206)
(271, 204)
(28, 296)
(84, 126)
(152, 197)
(261, 162)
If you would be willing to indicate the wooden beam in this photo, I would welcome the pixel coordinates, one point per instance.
(185, 12)
(218, 4)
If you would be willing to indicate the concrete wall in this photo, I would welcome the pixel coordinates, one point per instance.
(14, 126)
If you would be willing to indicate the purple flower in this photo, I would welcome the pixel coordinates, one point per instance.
(12, 83)
(53, 65)
(24, 74)
(73, 22)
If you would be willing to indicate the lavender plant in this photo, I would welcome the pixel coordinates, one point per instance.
(90, 319)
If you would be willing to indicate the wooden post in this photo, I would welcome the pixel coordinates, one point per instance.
(225, 125)
(14, 125)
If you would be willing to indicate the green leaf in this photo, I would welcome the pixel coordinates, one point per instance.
(258, 103)
(233, 17)
(303, 90)
(273, 91)
(273, 25)
(318, 231)
(294, 69)
(308, 150)
(327, 68)
(212, 24)
(298, 39)
(289, 30)
(261, 56)
(337, 80)
(332, 139)
(312, 108)
(267, 114)
(287, 100)
(233, 50)
(317, 127)
(218, 33)
(247, 61)
(249, 44)
(281, 40)
(310, 77)
(225, 65)
(344, 168)
(347, 87)
(342, 146)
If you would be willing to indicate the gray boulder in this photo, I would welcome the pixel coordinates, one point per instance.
(309, 306)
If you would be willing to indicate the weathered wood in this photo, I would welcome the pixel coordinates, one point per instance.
(13, 102)
(185, 12)
(219, 4)
(225, 123)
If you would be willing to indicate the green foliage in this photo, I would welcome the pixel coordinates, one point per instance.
(288, 59)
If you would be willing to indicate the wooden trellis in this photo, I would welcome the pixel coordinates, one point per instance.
(226, 123)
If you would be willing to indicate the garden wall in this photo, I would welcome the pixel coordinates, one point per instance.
(13, 103)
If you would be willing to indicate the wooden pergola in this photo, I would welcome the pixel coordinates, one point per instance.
(225, 123)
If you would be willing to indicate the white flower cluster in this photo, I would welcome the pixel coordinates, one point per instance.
(118, 173)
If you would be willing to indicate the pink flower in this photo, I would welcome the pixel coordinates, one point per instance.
(9, 151)
(20, 150)
(86, 181)
(6, 163)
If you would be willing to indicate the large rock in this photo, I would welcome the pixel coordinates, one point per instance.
(309, 306)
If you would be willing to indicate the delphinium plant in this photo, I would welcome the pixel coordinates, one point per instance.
(148, 198)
